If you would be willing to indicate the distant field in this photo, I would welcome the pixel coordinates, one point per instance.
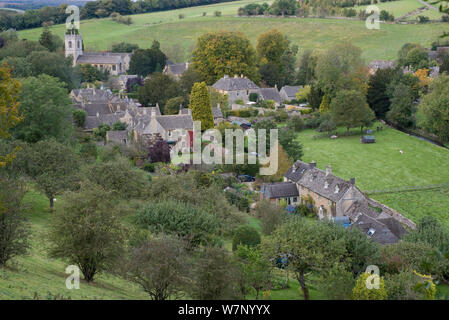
(381, 166)
(179, 35)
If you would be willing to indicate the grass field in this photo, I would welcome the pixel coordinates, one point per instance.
(381, 166)
(178, 36)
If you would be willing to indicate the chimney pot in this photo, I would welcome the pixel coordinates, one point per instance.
(328, 170)
(352, 181)
(312, 164)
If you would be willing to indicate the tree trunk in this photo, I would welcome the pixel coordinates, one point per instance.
(302, 282)
(51, 203)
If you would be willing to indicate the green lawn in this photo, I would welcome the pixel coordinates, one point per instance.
(397, 8)
(179, 35)
(381, 166)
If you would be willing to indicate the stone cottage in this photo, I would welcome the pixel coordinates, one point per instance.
(237, 88)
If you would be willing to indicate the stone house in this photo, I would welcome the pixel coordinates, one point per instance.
(335, 199)
(237, 88)
(271, 94)
(175, 69)
(375, 65)
(120, 137)
(277, 192)
(288, 93)
(218, 115)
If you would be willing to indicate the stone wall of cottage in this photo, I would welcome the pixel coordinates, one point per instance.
(319, 201)
(393, 213)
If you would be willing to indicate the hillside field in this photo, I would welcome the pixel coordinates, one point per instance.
(178, 36)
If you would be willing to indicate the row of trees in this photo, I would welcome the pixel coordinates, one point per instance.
(50, 15)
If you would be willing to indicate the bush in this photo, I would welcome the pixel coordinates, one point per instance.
(361, 292)
(148, 167)
(253, 96)
(296, 123)
(180, 219)
(79, 117)
(181, 16)
(245, 235)
(217, 13)
(423, 19)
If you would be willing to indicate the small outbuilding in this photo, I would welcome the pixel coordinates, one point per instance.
(368, 139)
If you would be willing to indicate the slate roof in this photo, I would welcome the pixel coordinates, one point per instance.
(177, 68)
(296, 171)
(381, 64)
(185, 111)
(100, 57)
(92, 95)
(279, 190)
(291, 91)
(270, 94)
(117, 135)
(172, 122)
(233, 84)
(386, 229)
(94, 121)
(216, 111)
(93, 109)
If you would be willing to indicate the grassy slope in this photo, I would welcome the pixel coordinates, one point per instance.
(307, 33)
(381, 166)
(36, 273)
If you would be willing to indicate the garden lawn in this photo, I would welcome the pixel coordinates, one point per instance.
(381, 166)
(179, 35)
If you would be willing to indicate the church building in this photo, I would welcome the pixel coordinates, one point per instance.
(115, 63)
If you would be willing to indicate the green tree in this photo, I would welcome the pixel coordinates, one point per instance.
(304, 246)
(255, 269)
(158, 89)
(434, 109)
(341, 68)
(53, 167)
(174, 104)
(48, 41)
(188, 79)
(9, 109)
(220, 53)
(337, 283)
(349, 109)
(161, 267)
(377, 95)
(307, 63)
(124, 47)
(14, 229)
(361, 291)
(245, 235)
(190, 223)
(289, 142)
(403, 109)
(118, 177)
(147, 61)
(284, 7)
(45, 106)
(271, 45)
(79, 117)
(86, 231)
(215, 275)
(201, 106)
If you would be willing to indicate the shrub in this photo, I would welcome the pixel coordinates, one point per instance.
(253, 96)
(217, 13)
(79, 117)
(245, 235)
(181, 16)
(361, 292)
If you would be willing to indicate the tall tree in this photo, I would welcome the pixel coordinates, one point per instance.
(53, 166)
(402, 111)
(86, 231)
(45, 105)
(220, 53)
(284, 7)
(158, 89)
(377, 95)
(146, 61)
(9, 108)
(349, 109)
(434, 108)
(201, 106)
(161, 267)
(271, 45)
(14, 229)
(303, 246)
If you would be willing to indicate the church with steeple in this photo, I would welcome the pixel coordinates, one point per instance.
(114, 63)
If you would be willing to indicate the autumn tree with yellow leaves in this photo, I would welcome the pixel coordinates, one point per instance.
(9, 108)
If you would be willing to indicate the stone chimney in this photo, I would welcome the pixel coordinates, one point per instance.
(98, 115)
(276, 86)
(225, 76)
(153, 112)
(235, 76)
(352, 181)
(294, 168)
(241, 75)
(312, 164)
(328, 170)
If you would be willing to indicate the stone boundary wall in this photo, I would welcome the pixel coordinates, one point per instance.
(393, 213)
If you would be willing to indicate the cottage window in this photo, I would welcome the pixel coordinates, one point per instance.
(114, 67)
(79, 45)
(70, 44)
(170, 133)
(295, 199)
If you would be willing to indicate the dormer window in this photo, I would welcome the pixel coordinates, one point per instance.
(371, 232)
(337, 189)
(326, 185)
